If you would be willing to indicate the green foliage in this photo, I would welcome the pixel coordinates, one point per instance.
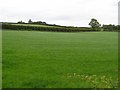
(21, 22)
(111, 27)
(39, 23)
(29, 21)
(94, 24)
(32, 27)
(63, 60)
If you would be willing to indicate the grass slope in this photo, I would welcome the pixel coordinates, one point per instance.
(34, 25)
(65, 60)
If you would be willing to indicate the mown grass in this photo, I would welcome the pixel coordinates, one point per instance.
(33, 59)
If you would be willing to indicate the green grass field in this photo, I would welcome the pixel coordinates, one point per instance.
(33, 59)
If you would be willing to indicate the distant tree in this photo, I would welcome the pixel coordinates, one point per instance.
(30, 21)
(21, 22)
(40, 22)
(95, 24)
(110, 27)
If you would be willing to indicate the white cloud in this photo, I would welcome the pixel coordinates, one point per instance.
(63, 12)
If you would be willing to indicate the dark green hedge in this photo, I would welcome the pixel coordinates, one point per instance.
(55, 29)
(111, 27)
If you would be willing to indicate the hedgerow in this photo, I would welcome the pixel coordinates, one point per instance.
(36, 28)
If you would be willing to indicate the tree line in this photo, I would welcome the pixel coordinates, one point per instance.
(38, 28)
(95, 26)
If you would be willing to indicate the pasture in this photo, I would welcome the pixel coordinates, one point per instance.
(33, 59)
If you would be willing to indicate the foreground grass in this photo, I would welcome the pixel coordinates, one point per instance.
(65, 60)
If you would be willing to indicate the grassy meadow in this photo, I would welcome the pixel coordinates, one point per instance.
(33, 59)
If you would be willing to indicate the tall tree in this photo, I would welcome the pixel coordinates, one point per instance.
(94, 24)
(30, 21)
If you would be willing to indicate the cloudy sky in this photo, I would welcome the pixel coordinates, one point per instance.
(61, 12)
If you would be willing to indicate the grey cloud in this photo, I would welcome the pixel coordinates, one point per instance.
(64, 12)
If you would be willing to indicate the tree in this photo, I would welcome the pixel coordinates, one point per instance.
(21, 22)
(110, 27)
(95, 24)
(30, 21)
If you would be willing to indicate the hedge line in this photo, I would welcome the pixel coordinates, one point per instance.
(55, 29)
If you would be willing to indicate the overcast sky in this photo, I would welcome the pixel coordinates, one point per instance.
(61, 12)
